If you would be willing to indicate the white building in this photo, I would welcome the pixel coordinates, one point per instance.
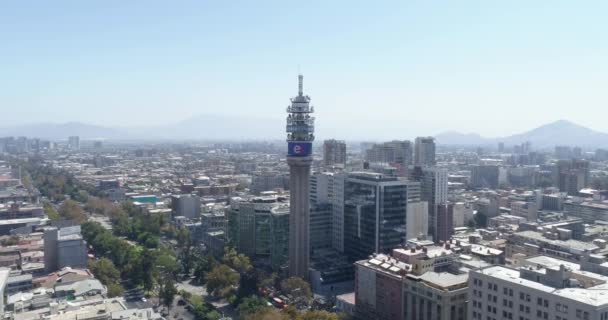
(417, 219)
(4, 273)
(550, 291)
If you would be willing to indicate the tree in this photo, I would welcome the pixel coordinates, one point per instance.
(251, 305)
(147, 268)
(183, 237)
(297, 288)
(50, 211)
(114, 290)
(213, 315)
(317, 315)
(267, 280)
(104, 270)
(202, 265)
(71, 210)
(167, 295)
(267, 314)
(221, 281)
(238, 261)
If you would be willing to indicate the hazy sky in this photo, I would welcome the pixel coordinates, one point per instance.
(388, 68)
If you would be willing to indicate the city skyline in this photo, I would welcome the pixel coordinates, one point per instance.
(122, 65)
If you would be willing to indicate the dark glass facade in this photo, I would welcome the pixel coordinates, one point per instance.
(374, 215)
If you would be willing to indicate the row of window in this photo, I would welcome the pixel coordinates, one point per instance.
(540, 302)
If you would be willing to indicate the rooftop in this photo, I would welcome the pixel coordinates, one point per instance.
(595, 296)
(572, 244)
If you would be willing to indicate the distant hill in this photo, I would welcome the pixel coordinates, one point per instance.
(224, 127)
(61, 131)
(203, 127)
(457, 138)
(561, 132)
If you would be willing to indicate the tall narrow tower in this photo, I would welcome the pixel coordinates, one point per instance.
(300, 134)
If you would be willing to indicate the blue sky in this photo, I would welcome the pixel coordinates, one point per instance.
(391, 68)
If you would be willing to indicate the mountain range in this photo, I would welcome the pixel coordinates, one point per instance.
(223, 127)
(561, 132)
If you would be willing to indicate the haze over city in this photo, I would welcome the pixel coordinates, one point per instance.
(401, 68)
(312, 160)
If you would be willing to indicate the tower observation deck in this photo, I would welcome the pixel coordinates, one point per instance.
(300, 124)
(300, 135)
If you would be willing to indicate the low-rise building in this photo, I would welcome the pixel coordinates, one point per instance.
(539, 290)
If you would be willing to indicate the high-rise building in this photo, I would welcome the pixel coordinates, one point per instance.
(300, 135)
(74, 142)
(445, 222)
(397, 152)
(268, 181)
(417, 220)
(424, 151)
(186, 205)
(320, 226)
(484, 176)
(501, 147)
(324, 200)
(434, 190)
(259, 228)
(334, 152)
(374, 214)
(572, 176)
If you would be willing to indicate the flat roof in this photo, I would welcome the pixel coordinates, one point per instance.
(444, 279)
(16, 221)
(573, 244)
(594, 296)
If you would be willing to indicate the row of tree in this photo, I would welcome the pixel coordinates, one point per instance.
(153, 270)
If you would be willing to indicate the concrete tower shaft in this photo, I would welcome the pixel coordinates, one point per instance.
(300, 135)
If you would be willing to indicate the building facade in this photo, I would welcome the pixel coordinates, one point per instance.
(375, 209)
(424, 151)
(334, 152)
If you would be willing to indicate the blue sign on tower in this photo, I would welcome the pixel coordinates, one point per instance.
(299, 149)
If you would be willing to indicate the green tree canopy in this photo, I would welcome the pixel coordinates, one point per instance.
(251, 305)
(71, 210)
(238, 261)
(221, 281)
(104, 270)
(298, 288)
